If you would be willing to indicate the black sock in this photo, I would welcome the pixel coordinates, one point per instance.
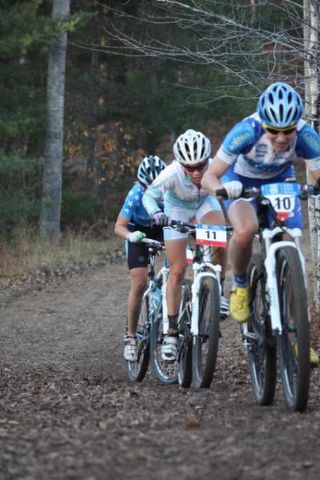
(173, 325)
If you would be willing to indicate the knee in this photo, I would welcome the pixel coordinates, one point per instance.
(244, 234)
(138, 286)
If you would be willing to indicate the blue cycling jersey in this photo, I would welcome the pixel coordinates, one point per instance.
(133, 209)
(248, 149)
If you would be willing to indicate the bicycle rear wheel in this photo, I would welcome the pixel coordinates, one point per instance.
(294, 343)
(205, 344)
(164, 371)
(260, 344)
(137, 370)
(185, 339)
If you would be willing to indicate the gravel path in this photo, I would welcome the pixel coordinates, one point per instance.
(67, 410)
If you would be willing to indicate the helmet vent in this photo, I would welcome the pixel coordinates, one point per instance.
(280, 106)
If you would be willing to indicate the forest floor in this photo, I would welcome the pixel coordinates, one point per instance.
(68, 411)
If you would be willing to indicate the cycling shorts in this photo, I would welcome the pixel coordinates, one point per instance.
(294, 221)
(137, 253)
(209, 204)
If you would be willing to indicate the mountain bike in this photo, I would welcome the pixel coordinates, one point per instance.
(150, 322)
(279, 316)
(199, 316)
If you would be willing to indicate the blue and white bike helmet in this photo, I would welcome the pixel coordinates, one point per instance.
(192, 148)
(280, 106)
(149, 169)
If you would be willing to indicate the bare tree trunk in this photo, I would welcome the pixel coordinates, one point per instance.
(52, 167)
(312, 95)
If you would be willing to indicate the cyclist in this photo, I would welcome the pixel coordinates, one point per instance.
(179, 186)
(260, 149)
(133, 224)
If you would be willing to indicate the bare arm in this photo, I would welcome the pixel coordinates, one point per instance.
(121, 227)
(211, 179)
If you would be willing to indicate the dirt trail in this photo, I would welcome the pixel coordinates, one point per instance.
(67, 410)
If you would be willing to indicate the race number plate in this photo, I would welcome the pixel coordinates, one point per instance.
(211, 235)
(282, 197)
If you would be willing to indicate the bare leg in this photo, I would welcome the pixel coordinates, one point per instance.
(176, 254)
(139, 280)
(244, 220)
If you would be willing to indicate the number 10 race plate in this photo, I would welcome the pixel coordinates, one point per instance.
(282, 196)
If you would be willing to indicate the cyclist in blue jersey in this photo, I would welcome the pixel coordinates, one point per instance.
(179, 187)
(133, 224)
(260, 149)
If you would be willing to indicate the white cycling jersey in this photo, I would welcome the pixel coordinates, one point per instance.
(175, 187)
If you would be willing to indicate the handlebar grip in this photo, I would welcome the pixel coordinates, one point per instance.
(222, 192)
(152, 243)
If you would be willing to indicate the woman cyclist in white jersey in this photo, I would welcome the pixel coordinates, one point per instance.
(260, 149)
(179, 187)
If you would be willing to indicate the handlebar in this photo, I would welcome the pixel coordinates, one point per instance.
(309, 191)
(185, 227)
(306, 192)
(153, 245)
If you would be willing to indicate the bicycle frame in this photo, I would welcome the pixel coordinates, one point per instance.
(154, 278)
(271, 248)
(164, 273)
(201, 261)
(270, 265)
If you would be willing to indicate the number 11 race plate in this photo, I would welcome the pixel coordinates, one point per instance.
(212, 235)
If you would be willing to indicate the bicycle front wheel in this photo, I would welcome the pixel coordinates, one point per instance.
(164, 371)
(205, 344)
(137, 370)
(294, 343)
(185, 339)
(260, 344)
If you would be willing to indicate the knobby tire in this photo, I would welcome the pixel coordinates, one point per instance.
(205, 344)
(185, 340)
(164, 371)
(294, 343)
(137, 370)
(261, 346)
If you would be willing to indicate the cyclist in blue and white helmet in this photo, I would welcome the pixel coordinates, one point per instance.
(280, 106)
(133, 225)
(149, 169)
(261, 149)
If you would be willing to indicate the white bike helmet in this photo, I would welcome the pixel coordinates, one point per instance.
(280, 106)
(149, 169)
(192, 148)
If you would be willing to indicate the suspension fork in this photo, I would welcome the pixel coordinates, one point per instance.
(272, 285)
(196, 288)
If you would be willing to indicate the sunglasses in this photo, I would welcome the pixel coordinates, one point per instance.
(196, 168)
(275, 131)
